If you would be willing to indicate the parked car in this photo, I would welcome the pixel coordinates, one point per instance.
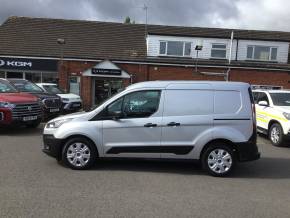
(213, 122)
(51, 102)
(70, 102)
(18, 108)
(273, 114)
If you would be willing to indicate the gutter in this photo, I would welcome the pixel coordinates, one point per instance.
(152, 63)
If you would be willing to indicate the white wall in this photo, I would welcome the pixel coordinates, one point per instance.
(153, 46)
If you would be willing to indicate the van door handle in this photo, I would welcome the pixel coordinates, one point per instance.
(150, 125)
(173, 124)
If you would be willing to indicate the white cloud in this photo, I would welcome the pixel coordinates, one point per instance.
(246, 14)
(260, 14)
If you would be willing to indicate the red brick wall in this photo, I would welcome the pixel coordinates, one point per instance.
(182, 73)
(75, 68)
(261, 77)
(154, 72)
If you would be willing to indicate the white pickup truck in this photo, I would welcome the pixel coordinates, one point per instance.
(71, 102)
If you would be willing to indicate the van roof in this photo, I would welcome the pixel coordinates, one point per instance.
(164, 84)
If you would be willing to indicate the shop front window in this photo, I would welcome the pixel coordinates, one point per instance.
(50, 78)
(33, 76)
(15, 75)
(2, 74)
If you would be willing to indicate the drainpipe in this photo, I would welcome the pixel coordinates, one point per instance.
(230, 57)
(237, 48)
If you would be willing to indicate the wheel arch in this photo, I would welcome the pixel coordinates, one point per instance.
(271, 122)
(219, 140)
(78, 136)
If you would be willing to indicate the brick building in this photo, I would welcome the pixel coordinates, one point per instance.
(96, 59)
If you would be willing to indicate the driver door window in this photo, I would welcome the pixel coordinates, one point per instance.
(141, 104)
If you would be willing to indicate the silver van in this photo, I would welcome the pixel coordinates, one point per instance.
(213, 122)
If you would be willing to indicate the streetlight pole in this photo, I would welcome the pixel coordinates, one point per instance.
(61, 43)
(197, 49)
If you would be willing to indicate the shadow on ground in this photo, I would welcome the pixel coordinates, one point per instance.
(155, 166)
(265, 168)
(21, 130)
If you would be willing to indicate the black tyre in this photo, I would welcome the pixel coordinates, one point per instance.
(218, 159)
(276, 135)
(79, 153)
(33, 124)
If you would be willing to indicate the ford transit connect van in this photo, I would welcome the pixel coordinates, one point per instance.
(213, 122)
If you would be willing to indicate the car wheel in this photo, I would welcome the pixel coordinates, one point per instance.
(218, 159)
(34, 124)
(276, 135)
(79, 153)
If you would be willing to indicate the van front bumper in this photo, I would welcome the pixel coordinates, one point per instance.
(52, 146)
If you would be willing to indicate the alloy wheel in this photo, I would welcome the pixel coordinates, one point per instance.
(220, 161)
(78, 154)
(275, 135)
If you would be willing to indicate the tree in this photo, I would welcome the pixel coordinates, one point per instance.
(127, 20)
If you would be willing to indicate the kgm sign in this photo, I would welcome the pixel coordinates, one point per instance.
(2, 63)
(28, 64)
(12, 63)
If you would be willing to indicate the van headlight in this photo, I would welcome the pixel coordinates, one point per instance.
(57, 123)
(286, 115)
(6, 105)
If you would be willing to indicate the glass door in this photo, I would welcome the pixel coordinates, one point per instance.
(74, 85)
(104, 89)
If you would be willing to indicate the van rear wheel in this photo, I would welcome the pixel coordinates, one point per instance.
(218, 159)
(79, 153)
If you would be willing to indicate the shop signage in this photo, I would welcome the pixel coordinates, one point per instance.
(28, 64)
(115, 72)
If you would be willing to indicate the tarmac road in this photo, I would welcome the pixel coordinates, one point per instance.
(35, 185)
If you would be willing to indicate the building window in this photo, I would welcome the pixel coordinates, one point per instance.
(219, 51)
(262, 53)
(175, 48)
(2, 74)
(33, 77)
(14, 75)
(163, 48)
(50, 78)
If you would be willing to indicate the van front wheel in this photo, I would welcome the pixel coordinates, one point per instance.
(218, 159)
(79, 153)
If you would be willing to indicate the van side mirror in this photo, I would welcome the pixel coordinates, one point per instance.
(116, 115)
(263, 103)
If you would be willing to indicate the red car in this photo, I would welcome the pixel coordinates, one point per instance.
(17, 107)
